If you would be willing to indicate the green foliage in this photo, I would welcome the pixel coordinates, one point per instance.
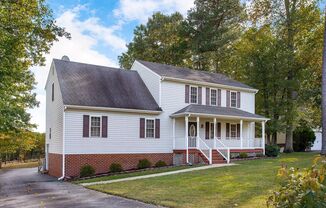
(115, 167)
(243, 155)
(160, 163)
(303, 138)
(272, 150)
(27, 31)
(301, 188)
(160, 40)
(144, 163)
(86, 170)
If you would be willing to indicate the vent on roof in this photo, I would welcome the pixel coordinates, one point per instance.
(65, 58)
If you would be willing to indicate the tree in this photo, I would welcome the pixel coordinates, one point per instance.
(323, 149)
(303, 138)
(27, 31)
(158, 41)
(212, 26)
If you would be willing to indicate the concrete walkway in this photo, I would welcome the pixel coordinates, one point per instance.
(157, 174)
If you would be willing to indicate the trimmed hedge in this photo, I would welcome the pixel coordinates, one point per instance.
(115, 167)
(272, 150)
(144, 163)
(86, 170)
(243, 155)
(160, 163)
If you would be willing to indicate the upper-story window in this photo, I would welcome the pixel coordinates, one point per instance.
(95, 126)
(193, 95)
(213, 97)
(233, 99)
(150, 128)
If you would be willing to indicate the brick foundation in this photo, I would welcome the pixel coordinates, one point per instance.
(194, 156)
(55, 164)
(102, 162)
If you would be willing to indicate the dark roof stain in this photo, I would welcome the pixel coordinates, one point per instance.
(216, 110)
(100, 86)
(193, 75)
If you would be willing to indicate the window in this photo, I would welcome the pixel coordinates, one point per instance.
(193, 94)
(211, 131)
(52, 92)
(213, 97)
(234, 99)
(150, 128)
(95, 126)
(233, 130)
(50, 133)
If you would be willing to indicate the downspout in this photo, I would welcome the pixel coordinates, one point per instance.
(63, 145)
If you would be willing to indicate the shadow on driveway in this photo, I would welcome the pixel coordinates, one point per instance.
(26, 188)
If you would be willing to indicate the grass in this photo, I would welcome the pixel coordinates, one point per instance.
(132, 174)
(28, 164)
(245, 185)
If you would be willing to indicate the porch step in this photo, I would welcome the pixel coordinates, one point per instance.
(217, 157)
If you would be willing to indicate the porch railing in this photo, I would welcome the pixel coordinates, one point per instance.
(205, 149)
(222, 149)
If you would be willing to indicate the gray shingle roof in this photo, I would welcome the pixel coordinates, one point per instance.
(190, 74)
(218, 111)
(100, 86)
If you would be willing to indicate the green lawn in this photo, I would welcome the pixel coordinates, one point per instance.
(245, 185)
(127, 175)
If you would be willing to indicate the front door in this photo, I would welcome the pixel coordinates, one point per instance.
(192, 134)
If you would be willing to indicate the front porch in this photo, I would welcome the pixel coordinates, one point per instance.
(214, 137)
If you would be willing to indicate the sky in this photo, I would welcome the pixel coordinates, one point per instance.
(99, 32)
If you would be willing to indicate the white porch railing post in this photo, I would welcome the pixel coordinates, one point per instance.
(210, 156)
(215, 129)
(228, 160)
(197, 133)
(173, 132)
(186, 139)
(241, 137)
(263, 135)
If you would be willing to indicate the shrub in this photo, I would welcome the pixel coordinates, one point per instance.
(144, 163)
(303, 138)
(305, 188)
(86, 170)
(115, 167)
(259, 154)
(243, 155)
(160, 163)
(272, 150)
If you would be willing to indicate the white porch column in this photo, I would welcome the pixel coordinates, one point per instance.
(263, 135)
(197, 133)
(241, 137)
(173, 132)
(248, 135)
(215, 133)
(186, 139)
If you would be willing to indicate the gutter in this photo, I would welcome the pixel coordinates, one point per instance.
(79, 107)
(63, 145)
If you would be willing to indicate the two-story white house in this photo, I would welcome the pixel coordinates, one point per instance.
(100, 115)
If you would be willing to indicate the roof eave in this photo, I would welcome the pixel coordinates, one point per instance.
(209, 84)
(124, 110)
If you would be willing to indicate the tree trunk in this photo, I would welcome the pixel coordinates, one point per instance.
(274, 138)
(323, 146)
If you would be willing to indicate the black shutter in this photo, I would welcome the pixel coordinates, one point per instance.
(238, 99)
(227, 130)
(142, 128)
(86, 126)
(238, 131)
(218, 129)
(207, 96)
(104, 126)
(199, 95)
(228, 98)
(157, 128)
(187, 93)
(206, 130)
(219, 97)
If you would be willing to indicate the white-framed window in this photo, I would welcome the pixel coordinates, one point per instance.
(211, 130)
(213, 97)
(95, 127)
(233, 130)
(193, 94)
(233, 99)
(150, 128)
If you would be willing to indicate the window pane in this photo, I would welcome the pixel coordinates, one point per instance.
(233, 99)
(193, 94)
(213, 97)
(212, 129)
(233, 130)
(95, 126)
(150, 128)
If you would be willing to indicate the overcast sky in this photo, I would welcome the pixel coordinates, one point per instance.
(100, 31)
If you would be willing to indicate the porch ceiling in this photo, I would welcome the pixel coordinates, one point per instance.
(218, 112)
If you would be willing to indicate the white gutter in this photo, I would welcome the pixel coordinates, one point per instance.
(126, 110)
(63, 145)
(210, 84)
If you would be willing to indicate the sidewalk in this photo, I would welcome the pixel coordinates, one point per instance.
(157, 174)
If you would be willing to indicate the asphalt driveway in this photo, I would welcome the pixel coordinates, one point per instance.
(26, 188)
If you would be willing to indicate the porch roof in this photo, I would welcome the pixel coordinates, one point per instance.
(216, 111)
